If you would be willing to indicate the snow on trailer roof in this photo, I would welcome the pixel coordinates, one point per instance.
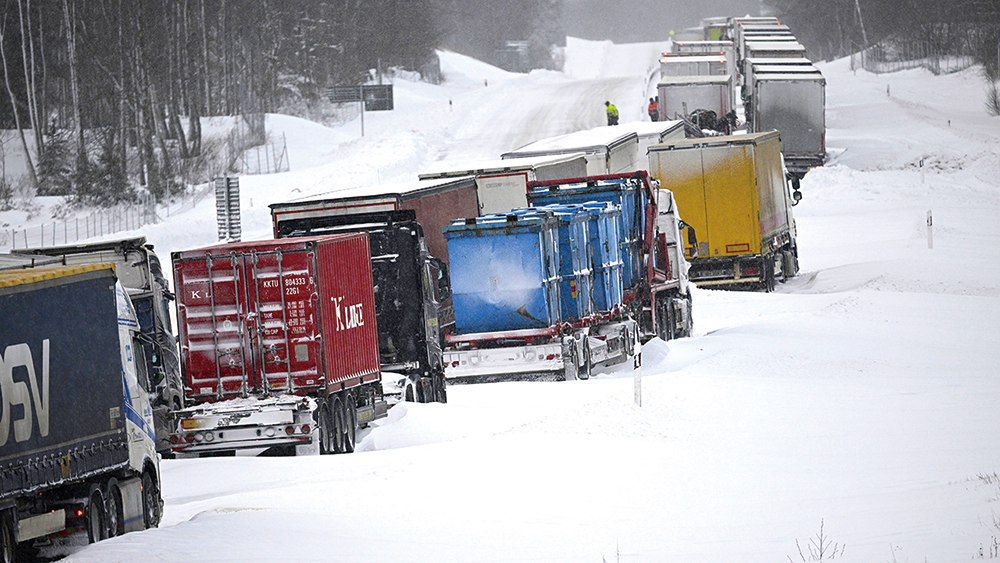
(785, 76)
(446, 169)
(399, 189)
(649, 128)
(783, 61)
(588, 140)
(785, 69)
(700, 58)
(706, 79)
(784, 46)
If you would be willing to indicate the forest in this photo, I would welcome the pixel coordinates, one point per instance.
(111, 92)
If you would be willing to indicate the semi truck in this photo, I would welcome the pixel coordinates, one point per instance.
(413, 304)
(574, 282)
(139, 270)
(279, 347)
(733, 191)
(502, 184)
(793, 103)
(77, 446)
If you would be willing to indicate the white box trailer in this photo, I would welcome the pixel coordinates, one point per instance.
(770, 49)
(750, 67)
(694, 65)
(503, 184)
(608, 150)
(795, 105)
(681, 95)
(726, 48)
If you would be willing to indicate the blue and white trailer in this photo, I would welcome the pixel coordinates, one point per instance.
(575, 282)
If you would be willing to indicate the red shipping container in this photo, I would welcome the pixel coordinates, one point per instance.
(276, 317)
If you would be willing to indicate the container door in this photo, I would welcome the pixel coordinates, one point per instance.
(212, 310)
(730, 187)
(282, 327)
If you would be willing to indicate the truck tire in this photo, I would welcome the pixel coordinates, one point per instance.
(570, 369)
(97, 527)
(339, 423)
(325, 425)
(665, 322)
(440, 388)
(150, 501)
(8, 547)
(350, 424)
(586, 367)
(116, 518)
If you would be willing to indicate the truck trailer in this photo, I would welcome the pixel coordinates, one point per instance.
(794, 103)
(502, 184)
(77, 446)
(609, 150)
(733, 191)
(682, 95)
(279, 346)
(554, 290)
(139, 270)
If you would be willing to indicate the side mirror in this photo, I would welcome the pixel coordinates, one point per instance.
(692, 238)
(443, 281)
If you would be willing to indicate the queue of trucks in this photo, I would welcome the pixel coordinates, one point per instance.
(557, 260)
(760, 61)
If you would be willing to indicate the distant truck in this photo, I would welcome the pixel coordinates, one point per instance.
(502, 184)
(139, 270)
(574, 282)
(279, 346)
(794, 103)
(681, 96)
(609, 150)
(76, 436)
(733, 191)
(412, 291)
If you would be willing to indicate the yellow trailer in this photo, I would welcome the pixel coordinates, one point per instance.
(733, 191)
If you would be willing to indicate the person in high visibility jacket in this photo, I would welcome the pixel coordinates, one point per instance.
(654, 114)
(612, 113)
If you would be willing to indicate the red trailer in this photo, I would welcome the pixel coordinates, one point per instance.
(279, 346)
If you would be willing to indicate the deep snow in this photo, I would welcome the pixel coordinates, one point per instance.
(860, 397)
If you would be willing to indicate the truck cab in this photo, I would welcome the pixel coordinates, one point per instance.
(412, 294)
(140, 273)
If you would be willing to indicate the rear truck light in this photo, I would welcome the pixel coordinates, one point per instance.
(209, 436)
(174, 439)
(289, 430)
(454, 364)
(270, 432)
(189, 438)
(550, 357)
(305, 429)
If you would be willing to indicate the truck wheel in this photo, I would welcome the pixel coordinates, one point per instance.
(586, 368)
(116, 520)
(337, 411)
(350, 426)
(440, 389)
(323, 419)
(96, 524)
(665, 318)
(8, 547)
(571, 372)
(150, 501)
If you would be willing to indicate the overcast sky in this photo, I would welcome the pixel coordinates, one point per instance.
(629, 21)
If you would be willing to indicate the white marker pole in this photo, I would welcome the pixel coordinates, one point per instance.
(930, 230)
(637, 369)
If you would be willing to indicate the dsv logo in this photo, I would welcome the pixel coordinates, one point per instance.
(17, 359)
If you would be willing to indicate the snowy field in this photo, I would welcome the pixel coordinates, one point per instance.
(856, 408)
